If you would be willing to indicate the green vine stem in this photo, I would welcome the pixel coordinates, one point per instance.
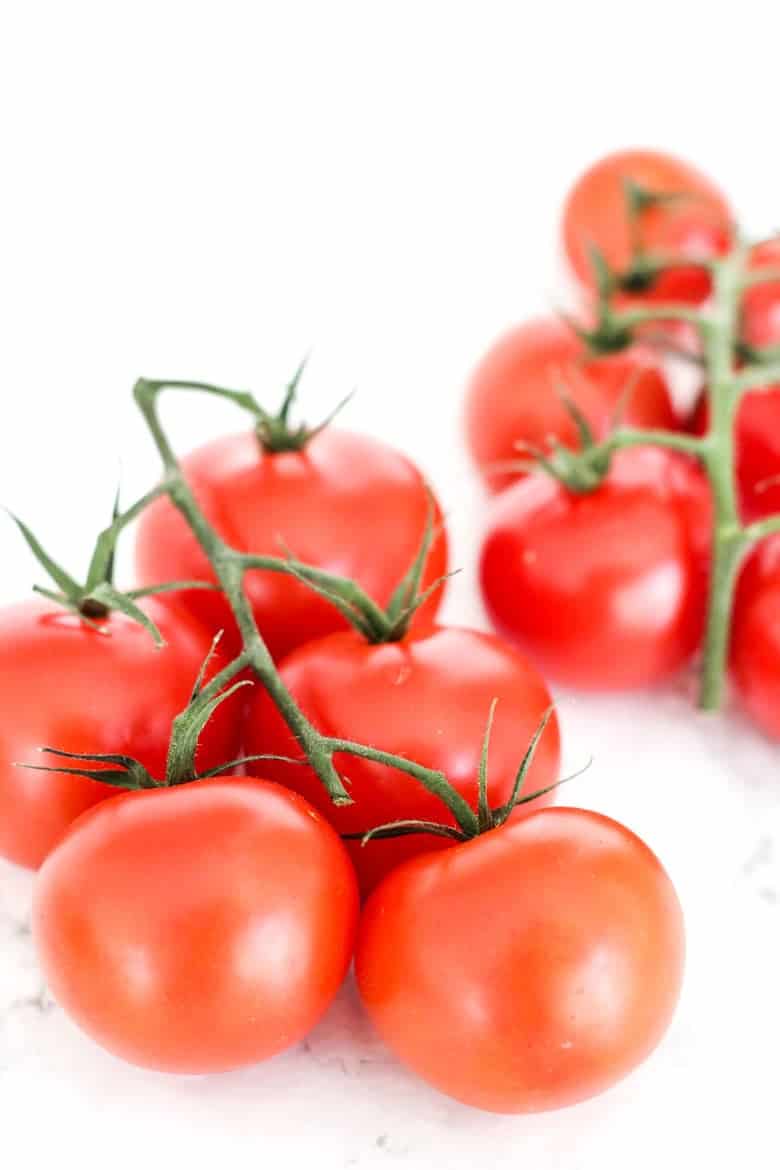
(718, 327)
(230, 565)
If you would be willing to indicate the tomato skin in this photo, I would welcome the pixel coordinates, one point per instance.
(515, 394)
(323, 503)
(595, 213)
(760, 325)
(528, 969)
(199, 928)
(426, 698)
(67, 686)
(604, 590)
(755, 636)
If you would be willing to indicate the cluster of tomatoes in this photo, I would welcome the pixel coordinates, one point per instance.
(607, 589)
(202, 926)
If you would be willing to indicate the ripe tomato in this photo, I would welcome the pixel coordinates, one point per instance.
(604, 590)
(755, 636)
(197, 928)
(761, 302)
(758, 450)
(345, 503)
(697, 227)
(65, 685)
(515, 394)
(529, 968)
(426, 698)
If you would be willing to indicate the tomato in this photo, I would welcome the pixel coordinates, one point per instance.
(515, 394)
(761, 302)
(758, 450)
(755, 636)
(426, 698)
(698, 227)
(605, 589)
(529, 968)
(345, 503)
(66, 685)
(197, 928)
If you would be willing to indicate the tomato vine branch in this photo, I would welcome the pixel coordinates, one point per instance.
(230, 565)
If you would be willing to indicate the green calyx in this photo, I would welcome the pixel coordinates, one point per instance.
(125, 772)
(471, 823)
(95, 599)
(276, 432)
(582, 470)
(374, 623)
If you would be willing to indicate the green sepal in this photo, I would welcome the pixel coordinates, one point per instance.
(70, 588)
(130, 774)
(501, 813)
(484, 817)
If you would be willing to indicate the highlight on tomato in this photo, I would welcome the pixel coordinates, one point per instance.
(343, 502)
(603, 588)
(89, 668)
(528, 968)
(518, 394)
(636, 206)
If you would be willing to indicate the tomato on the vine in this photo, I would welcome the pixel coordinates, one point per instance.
(695, 226)
(529, 968)
(427, 698)
(345, 503)
(98, 688)
(197, 928)
(755, 636)
(516, 395)
(603, 589)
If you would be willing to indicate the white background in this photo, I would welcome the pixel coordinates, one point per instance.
(209, 190)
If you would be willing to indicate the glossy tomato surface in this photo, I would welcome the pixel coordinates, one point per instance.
(755, 636)
(761, 302)
(515, 395)
(426, 698)
(68, 686)
(198, 928)
(346, 503)
(528, 969)
(696, 227)
(606, 589)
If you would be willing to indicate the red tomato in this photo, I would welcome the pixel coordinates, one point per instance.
(197, 928)
(607, 589)
(64, 685)
(755, 636)
(697, 228)
(515, 394)
(346, 503)
(761, 302)
(528, 969)
(758, 450)
(426, 698)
